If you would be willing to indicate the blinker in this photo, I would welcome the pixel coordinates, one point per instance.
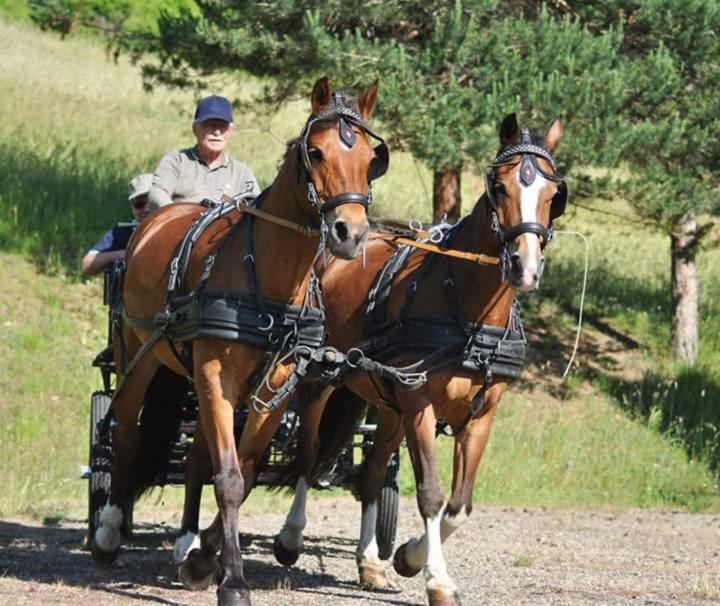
(527, 170)
(347, 134)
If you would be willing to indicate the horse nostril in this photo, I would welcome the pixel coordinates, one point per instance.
(341, 230)
(516, 264)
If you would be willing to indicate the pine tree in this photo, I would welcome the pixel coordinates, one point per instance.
(449, 70)
(668, 133)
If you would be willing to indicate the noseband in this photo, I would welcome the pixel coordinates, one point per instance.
(347, 117)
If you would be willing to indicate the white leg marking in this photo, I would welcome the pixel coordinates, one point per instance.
(184, 545)
(367, 550)
(107, 536)
(451, 523)
(436, 574)
(291, 535)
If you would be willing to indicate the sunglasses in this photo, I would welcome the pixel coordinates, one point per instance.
(139, 202)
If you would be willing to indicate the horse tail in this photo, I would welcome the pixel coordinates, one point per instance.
(341, 415)
(159, 423)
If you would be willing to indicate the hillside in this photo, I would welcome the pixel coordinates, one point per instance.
(74, 129)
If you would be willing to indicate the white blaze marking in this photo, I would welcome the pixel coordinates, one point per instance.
(529, 200)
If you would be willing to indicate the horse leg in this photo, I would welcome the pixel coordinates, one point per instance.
(126, 404)
(218, 390)
(199, 573)
(288, 543)
(426, 552)
(231, 489)
(469, 448)
(387, 439)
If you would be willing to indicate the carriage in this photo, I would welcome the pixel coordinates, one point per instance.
(172, 390)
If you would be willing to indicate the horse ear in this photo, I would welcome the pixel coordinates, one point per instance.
(553, 135)
(509, 131)
(366, 102)
(320, 94)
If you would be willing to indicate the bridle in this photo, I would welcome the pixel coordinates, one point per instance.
(529, 168)
(347, 117)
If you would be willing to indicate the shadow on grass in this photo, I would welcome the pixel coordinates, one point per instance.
(682, 405)
(56, 203)
(685, 408)
(607, 293)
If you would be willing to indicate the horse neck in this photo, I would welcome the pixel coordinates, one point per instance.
(482, 294)
(283, 257)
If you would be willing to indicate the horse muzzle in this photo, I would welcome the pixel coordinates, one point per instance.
(526, 266)
(346, 238)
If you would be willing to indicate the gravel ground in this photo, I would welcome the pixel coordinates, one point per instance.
(502, 556)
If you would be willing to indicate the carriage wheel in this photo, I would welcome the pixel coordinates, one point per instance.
(386, 526)
(100, 463)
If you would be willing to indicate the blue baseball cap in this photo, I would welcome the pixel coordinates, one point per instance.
(214, 107)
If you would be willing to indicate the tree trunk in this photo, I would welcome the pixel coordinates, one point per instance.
(684, 242)
(446, 195)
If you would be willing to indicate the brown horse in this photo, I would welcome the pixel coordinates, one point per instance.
(253, 265)
(450, 319)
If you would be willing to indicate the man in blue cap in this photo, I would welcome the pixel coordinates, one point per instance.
(204, 171)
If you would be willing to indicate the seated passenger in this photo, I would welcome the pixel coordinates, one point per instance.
(112, 245)
(205, 171)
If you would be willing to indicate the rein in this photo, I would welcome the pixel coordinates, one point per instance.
(242, 206)
(439, 250)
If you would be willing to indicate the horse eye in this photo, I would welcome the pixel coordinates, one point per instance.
(499, 189)
(315, 154)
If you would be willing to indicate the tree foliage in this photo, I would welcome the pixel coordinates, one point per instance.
(449, 71)
(670, 116)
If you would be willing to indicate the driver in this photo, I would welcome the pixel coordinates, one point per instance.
(204, 171)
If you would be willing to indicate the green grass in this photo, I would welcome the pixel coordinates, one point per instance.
(629, 290)
(76, 129)
(73, 131)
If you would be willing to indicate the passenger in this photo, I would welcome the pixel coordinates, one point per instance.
(111, 247)
(204, 171)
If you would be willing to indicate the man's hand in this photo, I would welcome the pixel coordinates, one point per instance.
(94, 262)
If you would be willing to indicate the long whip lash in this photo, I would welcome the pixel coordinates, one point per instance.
(582, 296)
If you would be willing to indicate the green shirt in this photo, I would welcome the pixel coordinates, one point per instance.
(183, 176)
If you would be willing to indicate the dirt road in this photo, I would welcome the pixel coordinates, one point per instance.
(501, 557)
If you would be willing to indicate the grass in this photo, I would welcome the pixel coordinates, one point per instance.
(73, 131)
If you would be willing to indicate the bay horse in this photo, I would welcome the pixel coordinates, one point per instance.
(246, 290)
(450, 319)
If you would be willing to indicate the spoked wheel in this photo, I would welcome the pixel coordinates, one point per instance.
(100, 462)
(388, 504)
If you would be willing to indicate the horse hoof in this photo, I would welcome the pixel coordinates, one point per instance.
(400, 563)
(440, 598)
(282, 554)
(102, 557)
(374, 578)
(233, 597)
(197, 572)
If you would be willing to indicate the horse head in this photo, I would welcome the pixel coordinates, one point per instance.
(340, 164)
(526, 194)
